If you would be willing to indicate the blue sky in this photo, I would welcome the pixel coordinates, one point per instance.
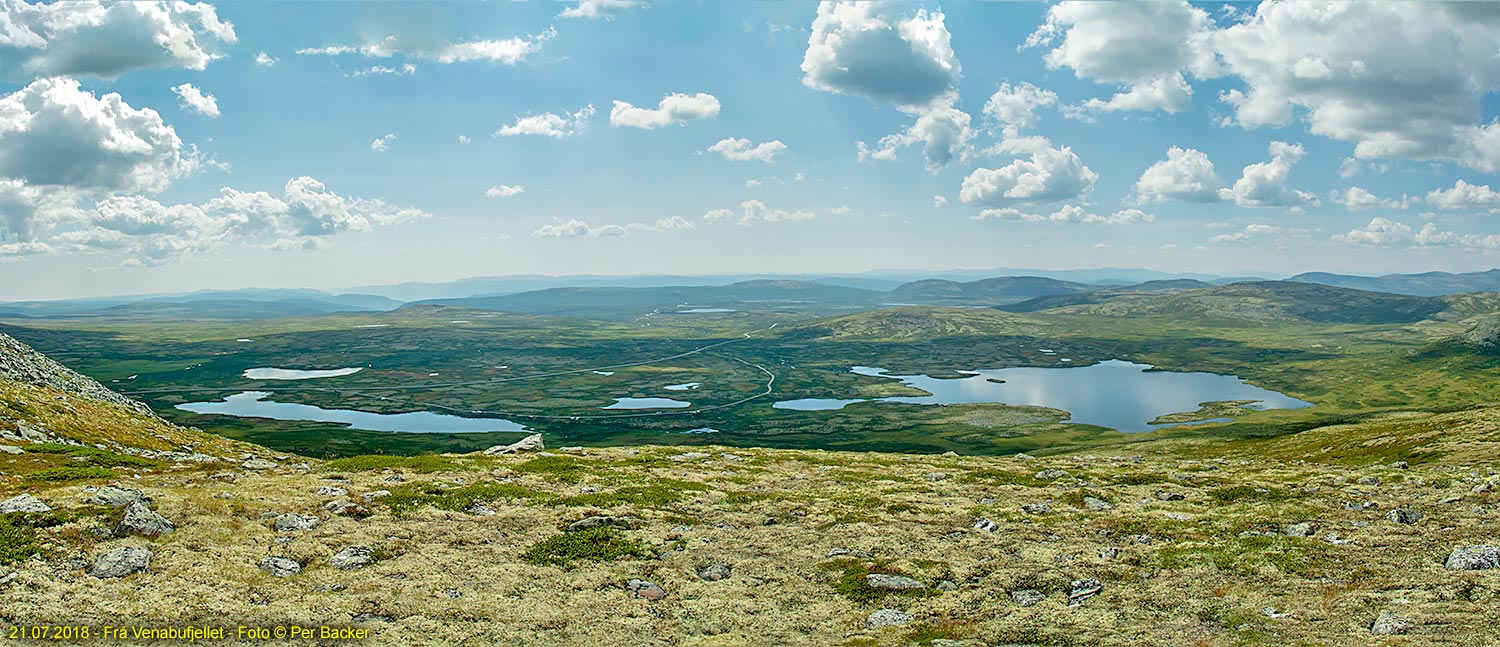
(876, 146)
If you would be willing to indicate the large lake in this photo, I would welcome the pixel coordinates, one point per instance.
(1115, 394)
(297, 374)
(253, 404)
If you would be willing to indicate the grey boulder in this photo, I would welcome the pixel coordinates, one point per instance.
(141, 520)
(121, 562)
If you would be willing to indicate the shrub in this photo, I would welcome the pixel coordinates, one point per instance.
(594, 545)
(411, 497)
(57, 474)
(371, 462)
(17, 540)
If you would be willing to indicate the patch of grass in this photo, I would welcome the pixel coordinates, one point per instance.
(1297, 556)
(660, 493)
(594, 545)
(1139, 478)
(1237, 493)
(372, 462)
(743, 497)
(923, 633)
(560, 469)
(95, 456)
(1033, 635)
(852, 584)
(1001, 477)
(60, 474)
(1075, 497)
(413, 496)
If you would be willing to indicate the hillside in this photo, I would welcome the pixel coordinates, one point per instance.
(1139, 291)
(984, 291)
(1423, 284)
(1261, 301)
(917, 322)
(1355, 534)
(763, 293)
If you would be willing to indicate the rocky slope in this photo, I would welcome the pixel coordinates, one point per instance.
(21, 363)
(1379, 533)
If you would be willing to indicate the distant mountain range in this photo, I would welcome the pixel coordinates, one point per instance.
(542, 295)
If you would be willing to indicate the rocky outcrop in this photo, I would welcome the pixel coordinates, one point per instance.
(22, 363)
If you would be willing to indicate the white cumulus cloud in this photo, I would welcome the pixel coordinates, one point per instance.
(549, 124)
(743, 150)
(1068, 213)
(673, 109)
(507, 51)
(1465, 196)
(606, 9)
(1186, 174)
(1264, 184)
(106, 39)
(383, 142)
(504, 191)
(1047, 175)
(194, 99)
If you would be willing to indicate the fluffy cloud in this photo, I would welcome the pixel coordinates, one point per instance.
(673, 109)
(1264, 184)
(505, 191)
(1068, 213)
(1016, 105)
(1466, 196)
(1359, 199)
(508, 51)
(1143, 46)
(743, 150)
(107, 39)
(606, 9)
(1383, 232)
(880, 51)
(575, 228)
(1399, 79)
(944, 134)
(1250, 231)
(405, 69)
(147, 232)
(193, 99)
(53, 133)
(752, 211)
(1186, 174)
(548, 124)
(265, 60)
(383, 142)
(1047, 175)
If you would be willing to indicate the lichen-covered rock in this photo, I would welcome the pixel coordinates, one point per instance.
(291, 521)
(714, 572)
(352, 557)
(280, 566)
(116, 497)
(888, 618)
(1390, 624)
(23, 503)
(1473, 558)
(121, 562)
(646, 590)
(141, 520)
(1080, 590)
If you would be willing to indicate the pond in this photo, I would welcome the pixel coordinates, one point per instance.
(253, 404)
(686, 386)
(703, 311)
(1115, 394)
(296, 374)
(648, 403)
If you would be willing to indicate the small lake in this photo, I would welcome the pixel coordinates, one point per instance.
(1115, 394)
(703, 311)
(295, 374)
(686, 386)
(253, 404)
(648, 403)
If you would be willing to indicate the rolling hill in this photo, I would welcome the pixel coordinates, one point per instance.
(1260, 301)
(992, 291)
(761, 292)
(1423, 284)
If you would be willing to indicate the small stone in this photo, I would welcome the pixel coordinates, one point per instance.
(733, 457)
(377, 494)
(714, 572)
(121, 562)
(946, 586)
(280, 566)
(395, 478)
(116, 497)
(480, 510)
(646, 590)
(586, 523)
(986, 525)
(1390, 624)
(934, 476)
(1023, 457)
(11, 449)
(141, 520)
(352, 558)
(1097, 505)
(329, 490)
(1369, 480)
(888, 618)
(1400, 465)
(370, 617)
(845, 552)
(1168, 495)
(259, 464)
(346, 508)
(1300, 529)
(1109, 552)
(1048, 475)
(291, 521)
(1473, 558)
(1027, 597)
(946, 642)
(1080, 590)
(23, 503)
(886, 582)
(1404, 515)
(1037, 508)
